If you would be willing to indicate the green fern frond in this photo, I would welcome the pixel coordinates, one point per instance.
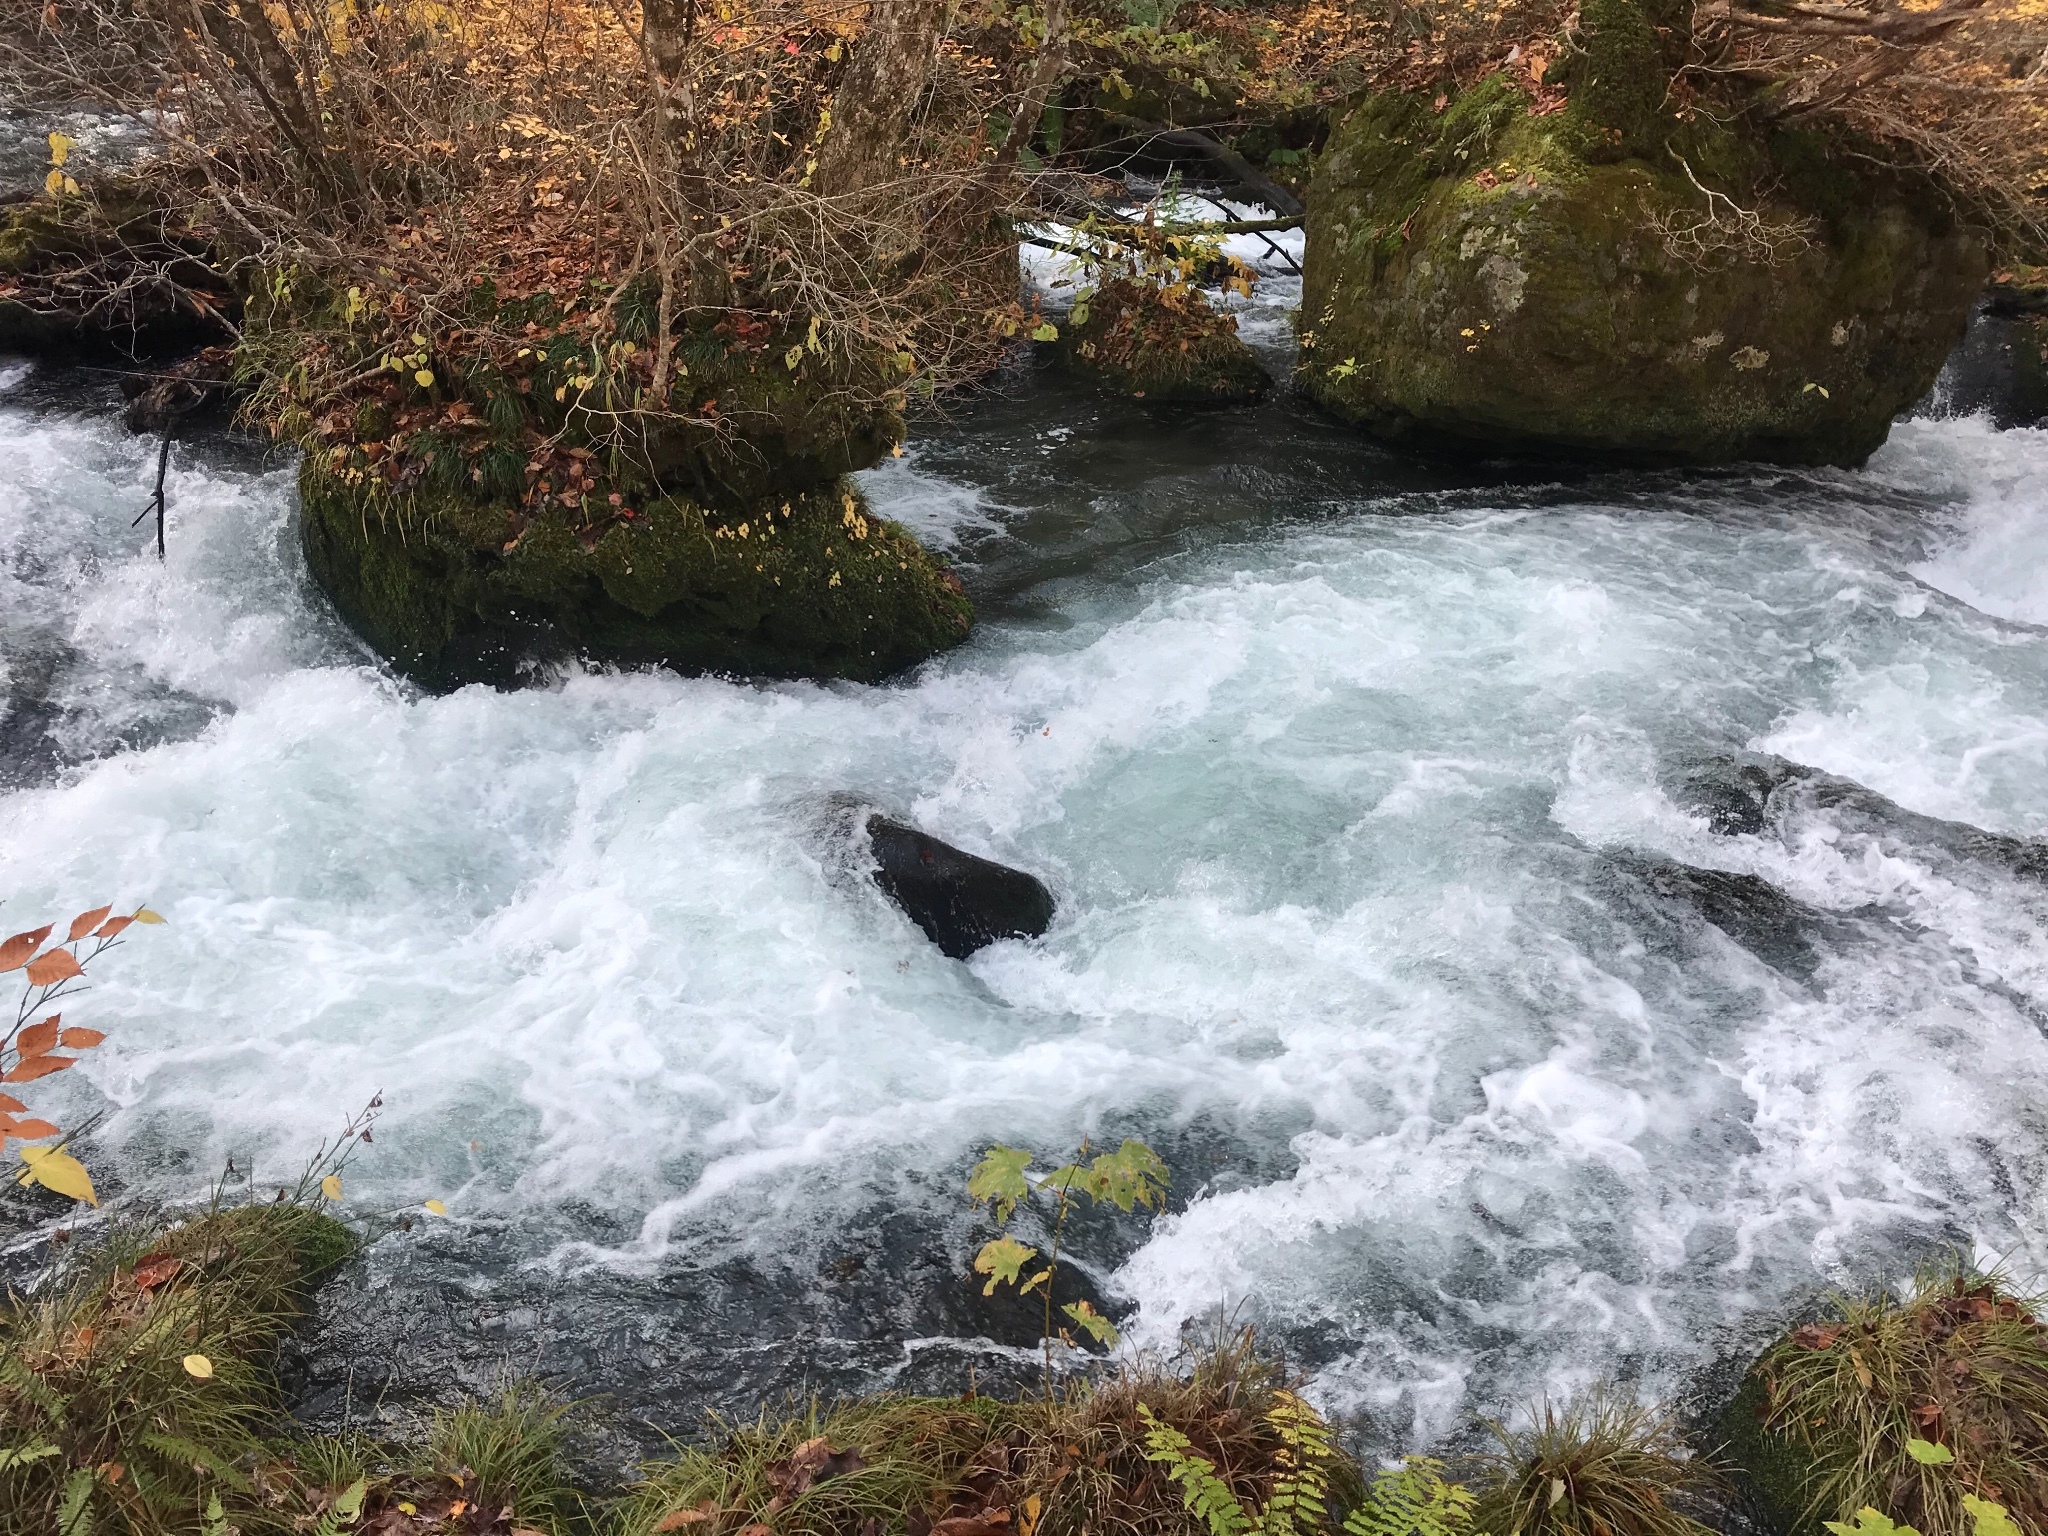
(1413, 1500)
(1205, 1493)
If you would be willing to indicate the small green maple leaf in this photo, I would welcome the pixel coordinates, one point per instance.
(999, 1177)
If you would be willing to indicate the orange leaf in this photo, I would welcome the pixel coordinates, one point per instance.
(153, 1269)
(15, 952)
(33, 1130)
(37, 1066)
(111, 926)
(81, 1039)
(12, 1105)
(46, 970)
(38, 1039)
(85, 922)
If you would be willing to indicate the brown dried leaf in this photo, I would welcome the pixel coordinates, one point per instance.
(153, 1269)
(85, 922)
(46, 970)
(38, 1039)
(15, 952)
(37, 1066)
(80, 1039)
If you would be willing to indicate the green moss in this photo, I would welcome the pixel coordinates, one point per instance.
(108, 235)
(1776, 1475)
(807, 585)
(1619, 80)
(1552, 297)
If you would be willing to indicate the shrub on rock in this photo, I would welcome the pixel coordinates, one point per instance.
(1904, 1406)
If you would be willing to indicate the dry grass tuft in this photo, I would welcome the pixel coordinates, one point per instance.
(1604, 1466)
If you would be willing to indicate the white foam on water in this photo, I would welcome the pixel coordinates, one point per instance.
(1328, 806)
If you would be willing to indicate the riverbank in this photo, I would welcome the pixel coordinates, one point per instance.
(139, 1396)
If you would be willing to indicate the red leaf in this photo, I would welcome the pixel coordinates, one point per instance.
(33, 1130)
(15, 952)
(153, 1269)
(12, 1105)
(111, 927)
(46, 970)
(38, 1039)
(37, 1066)
(81, 1039)
(85, 922)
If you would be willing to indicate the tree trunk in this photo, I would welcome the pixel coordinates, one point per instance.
(873, 107)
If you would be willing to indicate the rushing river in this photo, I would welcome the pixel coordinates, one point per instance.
(1410, 903)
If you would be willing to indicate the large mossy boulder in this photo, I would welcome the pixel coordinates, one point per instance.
(453, 589)
(1592, 275)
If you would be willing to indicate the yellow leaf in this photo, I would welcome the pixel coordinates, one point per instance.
(437, 1207)
(331, 1186)
(147, 916)
(58, 1170)
(54, 183)
(198, 1367)
(60, 147)
(424, 377)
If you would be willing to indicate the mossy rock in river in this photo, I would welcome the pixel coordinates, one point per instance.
(108, 269)
(1156, 344)
(807, 585)
(1560, 280)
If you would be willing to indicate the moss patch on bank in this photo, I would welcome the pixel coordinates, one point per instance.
(135, 1386)
(454, 587)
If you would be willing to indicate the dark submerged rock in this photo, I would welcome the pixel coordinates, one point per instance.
(962, 902)
(1753, 792)
(1754, 913)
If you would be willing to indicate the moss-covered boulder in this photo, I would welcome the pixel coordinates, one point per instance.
(1157, 343)
(108, 268)
(455, 588)
(1596, 277)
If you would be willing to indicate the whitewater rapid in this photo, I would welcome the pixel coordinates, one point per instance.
(1346, 773)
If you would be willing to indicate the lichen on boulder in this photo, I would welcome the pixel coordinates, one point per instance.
(1160, 343)
(453, 588)
(1598, 276)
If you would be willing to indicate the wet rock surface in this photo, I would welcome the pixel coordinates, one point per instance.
(961, 901)
(1756, 793)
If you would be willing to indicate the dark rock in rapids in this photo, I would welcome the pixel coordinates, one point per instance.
(1755, 793)
(158, 402)
(961, 902)
(1754, 913)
